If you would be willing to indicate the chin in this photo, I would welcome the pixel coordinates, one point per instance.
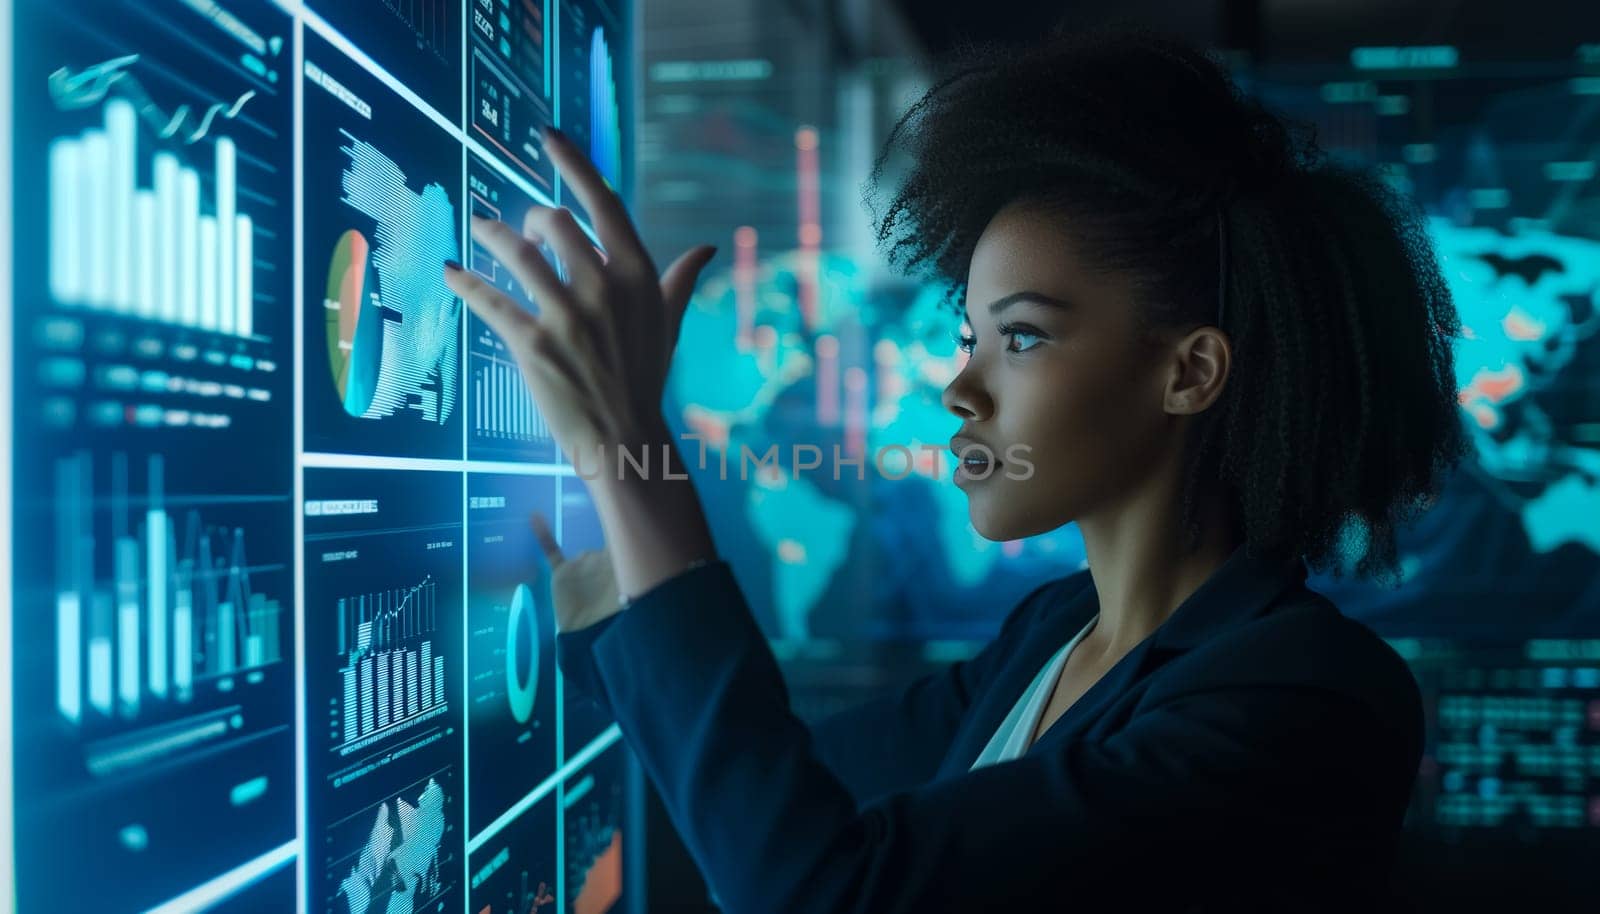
(997, 527)
(1001, 526)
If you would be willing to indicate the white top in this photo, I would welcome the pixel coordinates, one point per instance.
(1010, 740)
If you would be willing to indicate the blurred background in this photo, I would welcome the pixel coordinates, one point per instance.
(759, 123)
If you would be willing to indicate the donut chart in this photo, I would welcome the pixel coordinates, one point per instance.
(522, 654)
(354, 322)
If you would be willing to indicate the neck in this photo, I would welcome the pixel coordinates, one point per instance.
(1141, 564)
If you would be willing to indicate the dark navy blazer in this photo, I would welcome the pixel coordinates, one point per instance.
(1256, 752)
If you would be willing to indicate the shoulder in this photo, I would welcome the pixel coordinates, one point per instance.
(1304, 643)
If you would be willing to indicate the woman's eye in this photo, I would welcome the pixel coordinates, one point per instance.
(1021, 334)
(966, 342)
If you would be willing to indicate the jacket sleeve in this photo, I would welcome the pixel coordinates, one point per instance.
(898, 741)
(1206, 787)
(890, 743)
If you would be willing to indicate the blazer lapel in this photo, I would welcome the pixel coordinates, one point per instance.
(1242, 588)
(1053, 628)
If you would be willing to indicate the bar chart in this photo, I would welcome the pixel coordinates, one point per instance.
(605, 131)
(590, 109)
(392, 678)
(383, 702)
(178, 252)
(177, 612)
(502, 407)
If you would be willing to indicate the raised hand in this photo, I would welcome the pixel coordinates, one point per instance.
(595, 359)
(596, 355)
(583, 587)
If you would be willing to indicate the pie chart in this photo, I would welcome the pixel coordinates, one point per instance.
(355, 323)
(522, 654)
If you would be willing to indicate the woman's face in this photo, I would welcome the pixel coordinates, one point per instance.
(1059, 386)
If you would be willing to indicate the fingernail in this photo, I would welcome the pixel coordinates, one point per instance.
(551, 133)
(452, 265)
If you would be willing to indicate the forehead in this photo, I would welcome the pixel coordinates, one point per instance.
(1025, 247)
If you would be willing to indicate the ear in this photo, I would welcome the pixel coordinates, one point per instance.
(1200, 365)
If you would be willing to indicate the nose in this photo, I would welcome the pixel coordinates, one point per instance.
(966, 397)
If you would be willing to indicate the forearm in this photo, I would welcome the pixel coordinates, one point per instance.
(649, 510)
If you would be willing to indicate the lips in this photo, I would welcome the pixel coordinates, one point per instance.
(961, 445)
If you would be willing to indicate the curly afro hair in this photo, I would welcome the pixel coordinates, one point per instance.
(1340, 420)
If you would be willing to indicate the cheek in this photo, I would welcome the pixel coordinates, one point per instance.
(1095, 428)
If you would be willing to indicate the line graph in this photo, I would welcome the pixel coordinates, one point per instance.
(93, 84)
(392, 679)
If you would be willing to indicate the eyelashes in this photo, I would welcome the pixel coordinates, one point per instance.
(966, 342)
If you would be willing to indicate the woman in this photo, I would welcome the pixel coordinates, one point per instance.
(1224, 358)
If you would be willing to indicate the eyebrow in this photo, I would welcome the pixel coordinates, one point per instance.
(1006, 301)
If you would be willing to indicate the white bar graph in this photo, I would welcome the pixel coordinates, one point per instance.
(146, 266)
(227, 655)
(98, 238)
(227, 176)
(142, 635)
(351, 707)
(385, 690)
(157, 542)
(388, 689)
(503, 408)
(207, 319)
(121, 127)
(387, 681)
(183, 643)
(66, 235)
(188, 248)
(411, 682)
(127, 569)
(244, 275)
(100, 673)
(168, 209)
(368, 720)
(150, 252)
(427, 681)
(69, 666)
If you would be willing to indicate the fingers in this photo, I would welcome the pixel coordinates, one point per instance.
(547, 540)
(677, 286)
(677, 283)
(523, 259)
(531, 342)
(504, 315)
(605, 208)
(560, 230)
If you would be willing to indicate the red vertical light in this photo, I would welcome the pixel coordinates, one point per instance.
(827, 352)
(810, 227)
(744, 284)
(855, 411)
